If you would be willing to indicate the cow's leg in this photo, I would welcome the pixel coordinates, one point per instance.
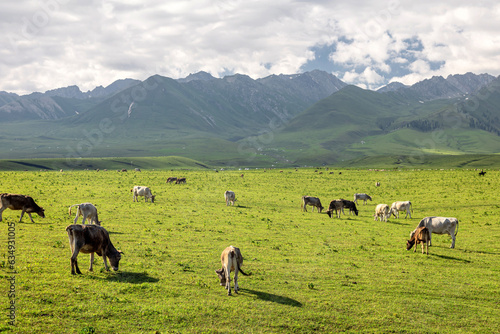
(84, 218)
(228, 281)
(452, 240)
(74, 262)
(236, 287)
(1, 210)
(105, 261)
(91, 268)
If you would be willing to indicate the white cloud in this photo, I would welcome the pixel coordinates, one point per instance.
(55, 43)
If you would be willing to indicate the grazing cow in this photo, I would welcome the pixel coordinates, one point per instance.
(312, 201)
(171, 179)
(401, 206)
(421, 235)
(137, 169)
(481, 173)
(20, 202)
(349, 205)
(231, 260)
(439, 225)
(88, 211)
(180, 180)
(142, 191)
(363, 197)
(230, 197)
(337, 205)
(382, 211)
(91, 239)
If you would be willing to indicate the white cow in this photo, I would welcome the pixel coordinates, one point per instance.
(382, 211)
(401, 206)
(142, 191)
(363, 197)
(88, 211)
(230, 197)
(439, 225)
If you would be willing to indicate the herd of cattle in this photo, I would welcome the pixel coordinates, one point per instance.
(421, 234)
(92, 238)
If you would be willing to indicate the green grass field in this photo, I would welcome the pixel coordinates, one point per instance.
(309, 273)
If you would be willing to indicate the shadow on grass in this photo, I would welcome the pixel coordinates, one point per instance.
(450, 258)
(273, 298)
(130, 277)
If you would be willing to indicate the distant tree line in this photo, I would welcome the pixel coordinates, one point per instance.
(423, 125)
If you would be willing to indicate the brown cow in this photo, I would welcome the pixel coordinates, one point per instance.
(171, 179)
(20, 202)
(337, 205)
(423, 236)
(231, 260)
(180, 180)
(91, 239)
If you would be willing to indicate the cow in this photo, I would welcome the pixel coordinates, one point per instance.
(337, 205)
(231, 260)
(230, 197)
(88, 211)
(171, 179)
(383, 212)
(401, 206)
(142, 191)
(439, 225)
(349, 205)
(91, 239)
(421, 235)
(363, 197)
(180, 180)
(377, 184)
(481, 173)
(312, 201)
(20, 202)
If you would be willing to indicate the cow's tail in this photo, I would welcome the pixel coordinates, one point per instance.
(411, 207)
(241, 271)
(69, 210)
(456, 231)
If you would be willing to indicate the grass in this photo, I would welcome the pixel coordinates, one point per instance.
(309, 273)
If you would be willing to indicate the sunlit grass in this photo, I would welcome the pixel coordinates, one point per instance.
(309, 273)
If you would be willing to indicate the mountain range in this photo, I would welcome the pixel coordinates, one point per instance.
(300, 119)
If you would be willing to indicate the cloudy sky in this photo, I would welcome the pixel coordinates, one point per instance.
(48, 44)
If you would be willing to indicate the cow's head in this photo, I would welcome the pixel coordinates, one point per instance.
(152, 198)
(222, 276)
(114, 260)
(409, 244)
(41, 212)
(329, 213)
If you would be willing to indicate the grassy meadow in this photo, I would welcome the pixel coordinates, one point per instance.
(309, 273)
